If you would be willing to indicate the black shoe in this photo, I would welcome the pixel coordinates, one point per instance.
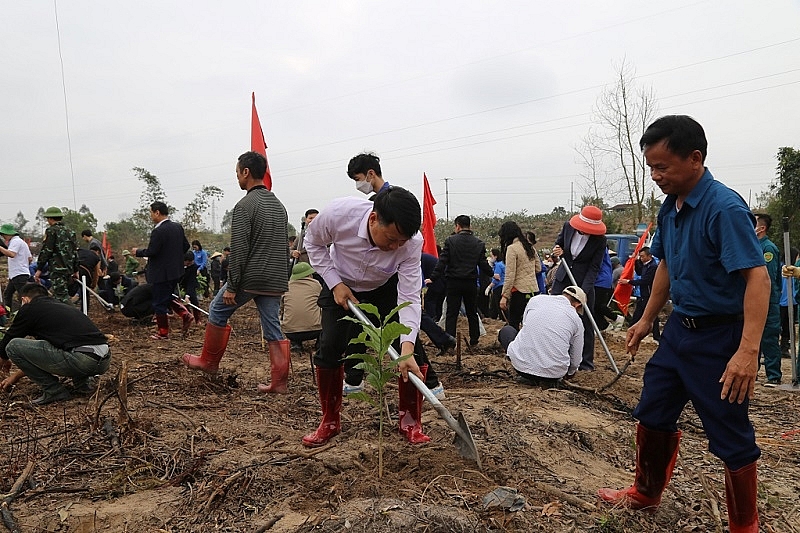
(296, 347)
(451, 343)
(86, 388)
(473, 344)
(772, 383)
(46, 398)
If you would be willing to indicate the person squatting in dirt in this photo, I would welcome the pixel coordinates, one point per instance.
(65, 343)
(713, 268)
(367, 252)
(258, 271)
(549, 346)
(164, 268)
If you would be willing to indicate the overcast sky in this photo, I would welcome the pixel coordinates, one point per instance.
(495, 95)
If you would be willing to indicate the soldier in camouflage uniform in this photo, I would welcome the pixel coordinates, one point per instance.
(60, 251)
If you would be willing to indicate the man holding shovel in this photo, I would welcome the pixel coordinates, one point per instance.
(713, 269)
(366, 252)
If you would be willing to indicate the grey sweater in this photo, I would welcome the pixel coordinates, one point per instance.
(259, 247)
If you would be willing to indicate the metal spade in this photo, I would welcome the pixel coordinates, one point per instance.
(463, 440)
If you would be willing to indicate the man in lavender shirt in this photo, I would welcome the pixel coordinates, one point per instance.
(366, 252)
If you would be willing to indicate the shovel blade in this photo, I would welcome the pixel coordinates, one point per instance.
(464, 443)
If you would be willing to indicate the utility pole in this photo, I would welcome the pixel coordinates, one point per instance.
(571, 197)
(447, 198)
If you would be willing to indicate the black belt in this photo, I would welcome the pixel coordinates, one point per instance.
(93, 355)
(708, 321)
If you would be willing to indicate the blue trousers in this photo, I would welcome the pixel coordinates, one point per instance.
(687, 366)
(268, 311)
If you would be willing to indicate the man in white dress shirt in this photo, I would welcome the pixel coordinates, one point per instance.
(366, 252)
(548, 347)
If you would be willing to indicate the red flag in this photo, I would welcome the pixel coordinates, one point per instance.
(106, 246)
(622, 294)
(257, 142)
(428, 219)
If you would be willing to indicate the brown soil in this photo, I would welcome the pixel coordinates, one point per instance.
(198, 453)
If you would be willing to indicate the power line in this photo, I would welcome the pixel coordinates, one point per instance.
(66, 111)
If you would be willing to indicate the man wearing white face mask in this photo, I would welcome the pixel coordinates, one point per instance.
(365, 170)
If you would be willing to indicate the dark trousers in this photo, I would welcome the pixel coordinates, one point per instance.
(334, 339)
(465, 290)
(300, 336)
(687, 366)
(437, 335)
(494, 302)
(162, 296)
(433, 304)
(516, 308)
(14, 285)
(641, 303)
(602, 313)
(784, 326)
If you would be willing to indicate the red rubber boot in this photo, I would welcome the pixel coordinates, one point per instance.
(279, 368)
(741, 490)
(185, 315)
(409, 410)
(214, 345)
(329, 381)
(656, 452)
(162, 333)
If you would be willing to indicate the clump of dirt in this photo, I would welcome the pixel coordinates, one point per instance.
(162, 448)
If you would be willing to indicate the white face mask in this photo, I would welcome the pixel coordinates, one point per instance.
(364, 186)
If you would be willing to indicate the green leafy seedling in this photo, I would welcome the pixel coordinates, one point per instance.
(378, 369)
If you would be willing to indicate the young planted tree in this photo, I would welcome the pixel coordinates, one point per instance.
(377, 369)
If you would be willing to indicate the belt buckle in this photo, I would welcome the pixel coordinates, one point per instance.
(688, 322)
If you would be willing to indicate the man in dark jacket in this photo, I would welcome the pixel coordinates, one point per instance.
(463, 254)
(165, 267)
(65, 343)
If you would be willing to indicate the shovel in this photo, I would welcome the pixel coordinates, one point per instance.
(588, 312)
(88, 289)
(463, 440)
(795, 385)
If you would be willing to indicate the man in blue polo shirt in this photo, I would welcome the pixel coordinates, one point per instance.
(713, 269)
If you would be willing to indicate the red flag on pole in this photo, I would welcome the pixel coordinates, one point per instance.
(106, 246)
(428, 219)
(257, 142)
(622, 294)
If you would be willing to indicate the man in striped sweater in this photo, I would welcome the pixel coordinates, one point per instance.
(258, 271)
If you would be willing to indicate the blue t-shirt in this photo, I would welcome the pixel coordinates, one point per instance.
(604, 276)
(499, 268)
(200, 258)
(704, 245)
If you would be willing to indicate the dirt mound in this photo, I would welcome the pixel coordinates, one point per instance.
(181, 451)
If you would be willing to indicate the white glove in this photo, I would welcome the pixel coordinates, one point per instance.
(488, 290)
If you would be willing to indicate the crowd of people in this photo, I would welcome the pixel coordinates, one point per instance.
(709, 256)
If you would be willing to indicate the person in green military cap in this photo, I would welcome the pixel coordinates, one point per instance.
(131, 264)
(60, 251)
